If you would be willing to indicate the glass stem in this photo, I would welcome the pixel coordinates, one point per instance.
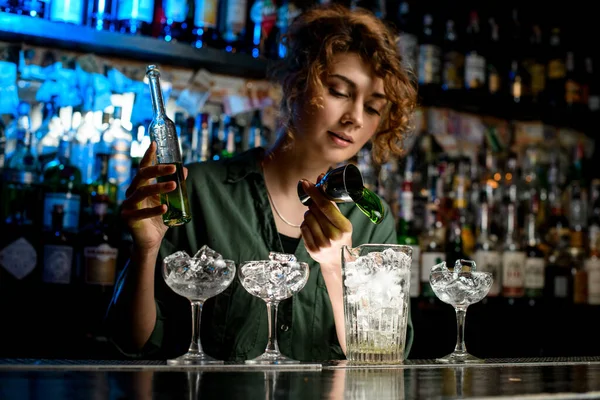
(461, 313)
(272, 346)
(195, 345)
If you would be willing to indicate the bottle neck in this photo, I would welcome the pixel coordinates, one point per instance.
(158, 105)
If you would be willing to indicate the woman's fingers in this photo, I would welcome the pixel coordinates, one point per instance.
(134, 215)
(150, 172)
(328, 208)
(330, 231)
(146, 191)
(312, 224)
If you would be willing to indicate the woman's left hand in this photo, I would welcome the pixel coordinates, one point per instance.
(324, 229)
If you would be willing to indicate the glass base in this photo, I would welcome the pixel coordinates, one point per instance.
(272, 357)
(191, 358)
(459, 357)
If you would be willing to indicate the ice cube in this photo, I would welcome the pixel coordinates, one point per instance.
(281, 257)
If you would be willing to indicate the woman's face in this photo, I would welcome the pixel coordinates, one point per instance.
(353, 101)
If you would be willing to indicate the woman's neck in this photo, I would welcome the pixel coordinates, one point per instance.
(285, 164)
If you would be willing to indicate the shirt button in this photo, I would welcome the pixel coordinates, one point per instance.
(284, 328)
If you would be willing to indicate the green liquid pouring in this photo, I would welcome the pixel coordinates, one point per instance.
(370, 204)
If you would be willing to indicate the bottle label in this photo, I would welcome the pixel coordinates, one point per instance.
(534, 272)
(513, 277)
(556, 69)
(415, 282)
(429, 64)
(490, 261)
(572, 92)
(474, 71)
(452, 76)
(592, 265)
(100, 264)
(206, 13)
(561, 287)
(70, 202)
(594, 102)
(18, 258)
(407, 47)
(236, 16)
(407, 205)
(58, 262)
(538, 78)
(67, 11)
(139, 10)
(176, 10)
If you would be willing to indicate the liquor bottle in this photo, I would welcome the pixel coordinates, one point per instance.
(62, 185)
(513, 257)
(67, 11)
(556, 71)
(261, 24)
(162, 131)
(204, 32)
(559, 274)
(102, 15)
(19, 208)
(58, 250)
(475, 61)
(408, 43)
(47, 136)
(232, 24)
(535, 262)
(173, 24)
(135, 16)
(205, 122)
(406, 232)
(432, 250)
(102, 188)
(120, 160)
(454, 243)
(453, 64)
(430, 53)
(487, 257)
(533, 62)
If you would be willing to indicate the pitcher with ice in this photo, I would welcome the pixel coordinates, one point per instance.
(376, 283)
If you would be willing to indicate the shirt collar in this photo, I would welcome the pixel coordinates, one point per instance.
(244, 164)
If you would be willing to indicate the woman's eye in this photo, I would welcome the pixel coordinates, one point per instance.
(372, 111)
(335, 93)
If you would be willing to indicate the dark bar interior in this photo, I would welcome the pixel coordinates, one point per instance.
(500, 167)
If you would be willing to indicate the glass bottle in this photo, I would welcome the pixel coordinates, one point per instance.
(135, 16)
(62, 185)
(535, 262)
(513, 258)
(102, 14)
(204, 32)
(162, 131)
(58, 250)
(487, 257)
(406, 232)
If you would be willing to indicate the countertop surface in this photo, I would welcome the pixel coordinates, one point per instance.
(528, 378)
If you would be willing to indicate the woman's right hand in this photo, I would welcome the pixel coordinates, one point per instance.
(142, 210)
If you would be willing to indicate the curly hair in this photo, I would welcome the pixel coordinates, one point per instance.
(320, 33)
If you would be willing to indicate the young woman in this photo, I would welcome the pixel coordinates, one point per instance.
(343, 86)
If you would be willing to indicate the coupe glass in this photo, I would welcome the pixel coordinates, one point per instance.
(273, 280)
(460, 287)
(197, 278)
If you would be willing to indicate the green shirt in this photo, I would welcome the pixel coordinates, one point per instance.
(232, 215)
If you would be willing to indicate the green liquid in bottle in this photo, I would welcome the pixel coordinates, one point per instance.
(370, 204)
(178, 210)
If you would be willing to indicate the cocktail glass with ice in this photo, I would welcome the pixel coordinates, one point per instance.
(460, 287)
(273, 280)
(197, 278)
(376, 284)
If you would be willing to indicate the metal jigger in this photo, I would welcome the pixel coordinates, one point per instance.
(341, 185)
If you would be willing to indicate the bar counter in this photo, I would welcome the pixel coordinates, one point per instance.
(553, 378)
